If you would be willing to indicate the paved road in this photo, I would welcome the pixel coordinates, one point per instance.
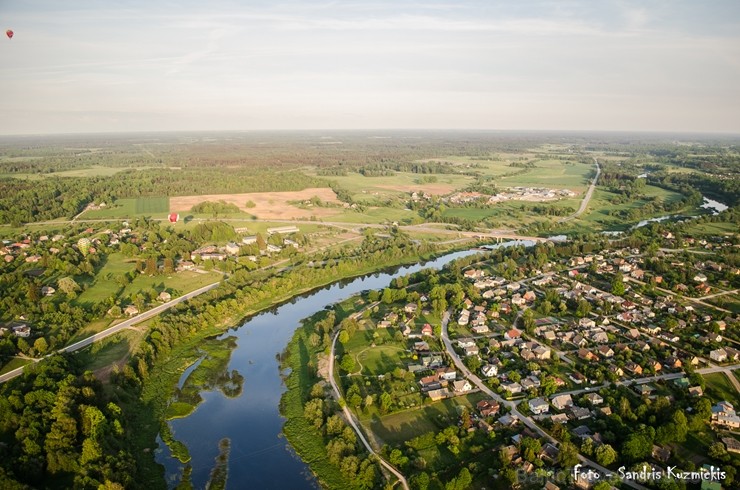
(587, 197)
(527, 421)
(351, 418)
(118, 327)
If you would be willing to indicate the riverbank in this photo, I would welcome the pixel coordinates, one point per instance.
(164, 375)
(305, 439)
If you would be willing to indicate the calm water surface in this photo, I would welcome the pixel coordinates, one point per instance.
(260, 455)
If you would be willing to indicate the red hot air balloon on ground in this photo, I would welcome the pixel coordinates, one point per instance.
(9, 33)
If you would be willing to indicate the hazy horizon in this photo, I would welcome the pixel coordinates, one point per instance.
(616, 66)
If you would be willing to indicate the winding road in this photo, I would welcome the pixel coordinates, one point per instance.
(351, 418)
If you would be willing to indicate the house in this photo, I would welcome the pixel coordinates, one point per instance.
(538, 406)
(732, 444)
(673, 362)
(282, 230)
(529, 296)
(429, 383)
(606, 351)
(633, 333)
(487, 408)
(185, 265)
(579, 413)
(633, 368)
(661, 453)
(644, 390)
(700, 278)
(489, 370)
(471, 350)
(542, 353)
(508, 420)
(461, 386)
(447, 374)
(474, 274)
(513, 334)
(411, 308)
(586, 323)
(481, 329)
(420, 347)
(164, 296)
(594, 398)
(513, 388)
(47, 290)
(465, 342)
(723, 414)
(696, 391)
(232, 248)
(718, 355)
(131, 310)
(587, 355)
(22, 330)
(439, 394)
(561, 401)
(427, 330)
(559, 418)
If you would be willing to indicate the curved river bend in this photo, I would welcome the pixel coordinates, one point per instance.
(260, 456)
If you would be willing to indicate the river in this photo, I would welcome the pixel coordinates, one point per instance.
(711, 205)
(260, 455)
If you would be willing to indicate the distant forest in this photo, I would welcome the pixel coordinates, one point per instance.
(57, 176)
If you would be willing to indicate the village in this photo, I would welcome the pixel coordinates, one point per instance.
(107, 274)
(568, 350)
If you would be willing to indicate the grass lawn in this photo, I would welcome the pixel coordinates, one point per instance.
(380, 359)
(184, 282)
(719, 388)
(105, 285)
(379, 215)
(131, 207)
(712, 229)
(108, 351)
(14, 364)
(371, 188)
(397, 428)
(92, 328)
(599, 208)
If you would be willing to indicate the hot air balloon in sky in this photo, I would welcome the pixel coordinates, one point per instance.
(9, 33)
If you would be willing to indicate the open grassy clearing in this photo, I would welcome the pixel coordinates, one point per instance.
(182, 282)
(130, 208)
(719, 388)
(111, 350)
(14, 363)
(107, 282)
(397, 428)
(366, 189)
(268, 205)
(712, 229)
(599, 208)
(379, 215)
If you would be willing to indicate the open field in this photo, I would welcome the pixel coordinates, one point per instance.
(365, 189)
(106, 283)
(112, 350)
(719, 388)
(129, 208)
(399, 427)
(712, 229)
(94, 171)
(14, 363)
(379, 215)
(600, 208)
(268, 205)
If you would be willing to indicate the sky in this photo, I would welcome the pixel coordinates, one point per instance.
(105, 66)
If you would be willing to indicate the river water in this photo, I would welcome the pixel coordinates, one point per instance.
(260, 455)
(713, 206)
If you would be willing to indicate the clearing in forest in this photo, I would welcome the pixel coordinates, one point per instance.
(269, 205)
